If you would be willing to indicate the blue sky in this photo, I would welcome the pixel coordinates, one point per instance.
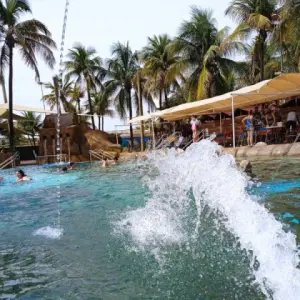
(101, 23)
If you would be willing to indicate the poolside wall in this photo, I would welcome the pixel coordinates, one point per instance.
(263, 150)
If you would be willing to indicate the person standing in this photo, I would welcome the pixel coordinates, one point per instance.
(248, 123)
(195, 123)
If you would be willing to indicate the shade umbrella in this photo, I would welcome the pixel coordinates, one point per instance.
(4, 115)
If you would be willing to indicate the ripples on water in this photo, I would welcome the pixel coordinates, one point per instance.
(118, 244)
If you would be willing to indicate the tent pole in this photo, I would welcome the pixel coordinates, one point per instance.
(117, 135)
(153, 134)
(233, 125)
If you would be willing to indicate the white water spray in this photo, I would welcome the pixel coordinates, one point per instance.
(214, 182)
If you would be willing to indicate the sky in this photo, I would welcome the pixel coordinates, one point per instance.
(100, 24)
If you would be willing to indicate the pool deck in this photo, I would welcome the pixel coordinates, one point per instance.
(263, 150)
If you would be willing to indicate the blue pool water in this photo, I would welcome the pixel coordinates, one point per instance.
(123, 233)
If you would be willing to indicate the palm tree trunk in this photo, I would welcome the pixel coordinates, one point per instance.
(10, 100)
(130, 117)
(99, 122)
(263, 37)
(91, 106)
(102, 123)
(166, 98)
(3, 88)
(78, 108)
(160, 99)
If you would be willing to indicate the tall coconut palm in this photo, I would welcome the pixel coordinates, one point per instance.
(205, 54)
(102, 107)
(32, 125)
(257, 16)
(30, 37)
(161, 65)
(121, 70)
(65, 94)
(86, 67)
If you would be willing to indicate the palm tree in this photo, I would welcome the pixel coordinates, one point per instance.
(31, 37)
(161, 65)
(121, 70)
(205, 53)
(257, 16)
(86, 68)
(32, 126)
(76, 95)
(65, 93)
(101, 106)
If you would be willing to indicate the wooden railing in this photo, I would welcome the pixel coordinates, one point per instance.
(11, 160)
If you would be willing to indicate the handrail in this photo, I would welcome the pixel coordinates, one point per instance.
(201, 136)
(101, 154)
(164, 136)
(166, 142)
(11, 160)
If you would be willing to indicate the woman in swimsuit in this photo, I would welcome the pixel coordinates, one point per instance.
(248, 123)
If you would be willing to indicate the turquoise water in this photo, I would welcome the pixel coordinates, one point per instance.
(103, 254)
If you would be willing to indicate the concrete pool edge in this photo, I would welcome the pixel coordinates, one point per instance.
(265, 151)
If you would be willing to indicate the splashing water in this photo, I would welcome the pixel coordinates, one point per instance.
(201, 180)
(49, 232)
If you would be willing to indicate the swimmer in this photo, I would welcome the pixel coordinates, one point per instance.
(246, 166)
(65, 169)
(72, 166)
(104, 163)
(21, 176)
(115, 161)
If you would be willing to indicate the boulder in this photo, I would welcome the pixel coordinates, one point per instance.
(231, 151)
(260, 144)
(265, 151)
(281, 150)
(294, 150)
(241, 151)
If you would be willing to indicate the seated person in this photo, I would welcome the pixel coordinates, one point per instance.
(21, 176)
(291, 122)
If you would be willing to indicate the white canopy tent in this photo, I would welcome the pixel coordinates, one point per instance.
(282, 87)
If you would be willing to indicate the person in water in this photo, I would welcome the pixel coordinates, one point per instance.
(246, 166)
(104, 163)
(21, 176)
(65, 169)
(71, 165)
(248, 123)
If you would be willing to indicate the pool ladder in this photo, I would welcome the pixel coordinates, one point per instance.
(100, 155)
(11, 160)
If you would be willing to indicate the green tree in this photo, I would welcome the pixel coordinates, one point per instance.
(102, 107)
(121, 69)
(86, 68)
(205, 55)
(30, 37)
(65, 93)
(256, 15)
(161, 66)
(32, 126)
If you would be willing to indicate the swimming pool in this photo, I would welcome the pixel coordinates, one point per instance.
(159, 229)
